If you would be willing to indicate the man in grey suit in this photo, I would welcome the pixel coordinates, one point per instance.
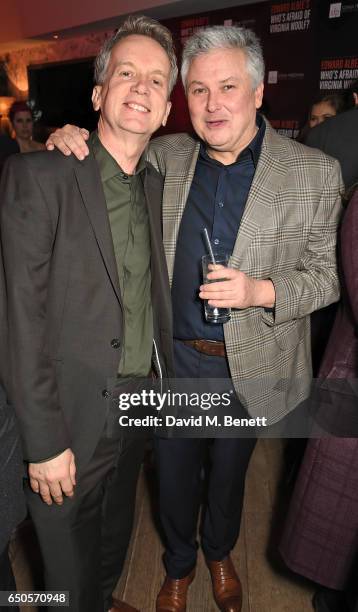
(88, 301)
(274, 205)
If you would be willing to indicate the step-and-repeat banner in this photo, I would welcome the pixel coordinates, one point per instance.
(310, 48)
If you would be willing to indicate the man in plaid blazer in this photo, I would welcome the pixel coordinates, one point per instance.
(274, 205)
(283, 268)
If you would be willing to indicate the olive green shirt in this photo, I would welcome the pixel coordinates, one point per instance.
(128, 218)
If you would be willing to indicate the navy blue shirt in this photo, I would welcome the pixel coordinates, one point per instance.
(216, 201)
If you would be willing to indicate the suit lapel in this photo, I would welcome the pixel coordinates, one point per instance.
(178, 180)
(270, 173)
(153, 190)
(89, 182)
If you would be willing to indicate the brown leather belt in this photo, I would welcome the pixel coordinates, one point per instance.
(208, 347)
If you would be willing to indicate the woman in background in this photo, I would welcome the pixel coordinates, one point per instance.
(325, 107)
(22, 122)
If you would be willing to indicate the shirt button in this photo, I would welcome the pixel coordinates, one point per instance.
(115, 343)
(216, 241)
(105, 394)
(220, 204)
(124, 177)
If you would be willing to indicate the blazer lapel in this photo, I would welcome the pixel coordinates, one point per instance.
(90, 186)
(269, 175)
(177, 185)
(153, 190)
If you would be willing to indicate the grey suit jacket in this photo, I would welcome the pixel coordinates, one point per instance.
(287, 234)
(63, 296)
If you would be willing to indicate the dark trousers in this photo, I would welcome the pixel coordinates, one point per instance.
(179, 464)
(84, 541)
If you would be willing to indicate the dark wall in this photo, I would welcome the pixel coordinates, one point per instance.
(63, 92)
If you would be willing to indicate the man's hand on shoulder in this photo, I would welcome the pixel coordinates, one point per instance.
(69, 139)
(54, 478)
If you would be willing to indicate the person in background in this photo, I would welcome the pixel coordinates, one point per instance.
(12, 500)
(320, 537)
(8, 146)
(338, 137)
(22, 122)
(326, 107)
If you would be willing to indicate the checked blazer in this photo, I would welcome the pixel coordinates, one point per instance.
(287, 234)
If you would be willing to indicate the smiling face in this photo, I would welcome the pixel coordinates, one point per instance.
(320, 112)
(222, 102)
(23, 124)
(134, 97)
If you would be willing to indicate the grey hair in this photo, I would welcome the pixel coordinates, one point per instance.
(139, 25)
(225, 37)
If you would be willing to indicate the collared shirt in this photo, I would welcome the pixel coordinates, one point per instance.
(128, 218)
(216, 201)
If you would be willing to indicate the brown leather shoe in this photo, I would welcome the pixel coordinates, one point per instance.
(227, 587)
(172, 595)
(121, 606)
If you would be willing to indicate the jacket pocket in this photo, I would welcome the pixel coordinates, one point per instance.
(288, 334)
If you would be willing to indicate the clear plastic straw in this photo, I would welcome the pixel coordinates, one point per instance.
(208, 244)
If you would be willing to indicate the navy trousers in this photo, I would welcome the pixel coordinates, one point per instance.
(179, 465)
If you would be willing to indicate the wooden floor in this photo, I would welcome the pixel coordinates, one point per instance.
(267, 586)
